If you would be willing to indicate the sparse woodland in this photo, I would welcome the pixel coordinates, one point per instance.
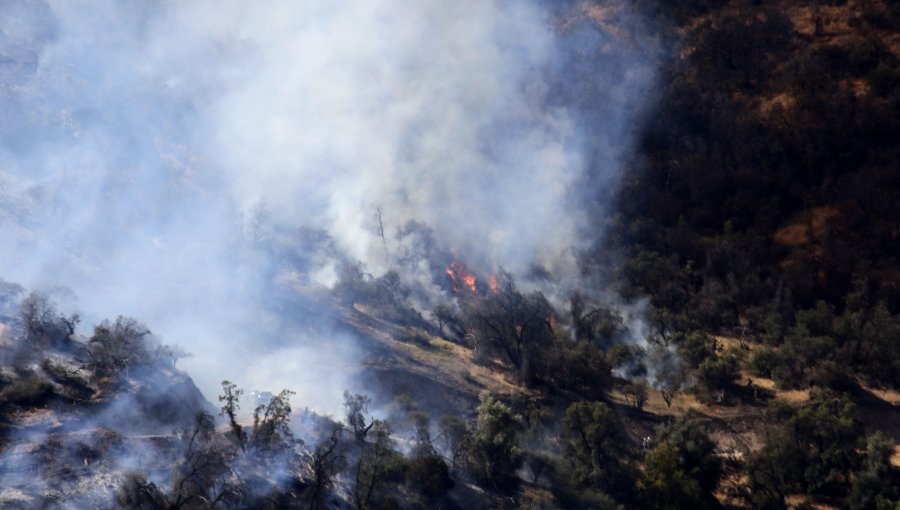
(758, 226)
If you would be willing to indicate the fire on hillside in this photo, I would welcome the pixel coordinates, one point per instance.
(462, 279)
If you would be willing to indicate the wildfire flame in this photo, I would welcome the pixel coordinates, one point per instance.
(461, 277)
(492, 283)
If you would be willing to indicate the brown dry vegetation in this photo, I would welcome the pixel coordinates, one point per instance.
(403, 348)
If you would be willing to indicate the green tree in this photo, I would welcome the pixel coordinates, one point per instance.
(593, 445)
(682, 471)
(494, 455)
(816, 449)
(877, 485)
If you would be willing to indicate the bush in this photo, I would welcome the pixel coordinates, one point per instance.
(579, 367)
(34, 391)
(43, 326)
(430, 476)
(118, 346)
(719, 372)
(764, 362)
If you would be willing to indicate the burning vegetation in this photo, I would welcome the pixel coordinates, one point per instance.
(730, 340)
(461, 279)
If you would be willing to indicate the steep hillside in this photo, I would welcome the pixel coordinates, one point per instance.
(631, 254)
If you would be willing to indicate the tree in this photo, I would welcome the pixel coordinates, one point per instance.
(454, 437)
(664, 484)
(494, 455)
(598, 324)
(327, 461)
(443, 314)
(830, 437)
(593, 445)
(271, 430)
(669, 375)
(356, 406)
(696, 454)
(877, 485)
(430, 476)
(115, 348)
(578, 367)
(175, 353)
(817, 448)
(43, 325)
(512, 324)
(636, 393)
(372, 464)
(203, 476)
(775, 470)
(231, 398)
(717, 373)
(694, 348)
(624, 355)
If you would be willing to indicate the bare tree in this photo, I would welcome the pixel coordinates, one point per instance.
(514, 324)
(174, 352)
(670, 373)
(203, 477)
(326, 462)
(379, 221)
(372, 465)
(443, 315)
(453, 437)
(43, 325)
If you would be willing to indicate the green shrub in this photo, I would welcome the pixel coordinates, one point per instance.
(764, 362)
(719, 372)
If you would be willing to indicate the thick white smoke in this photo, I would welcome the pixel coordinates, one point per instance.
(140, 139)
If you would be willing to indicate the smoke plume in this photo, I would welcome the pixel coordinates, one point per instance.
(147, 147)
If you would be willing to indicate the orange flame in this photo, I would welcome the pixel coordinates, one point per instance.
(460, 276)
(492, 283)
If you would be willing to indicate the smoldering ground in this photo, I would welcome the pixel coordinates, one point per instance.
(148, 150)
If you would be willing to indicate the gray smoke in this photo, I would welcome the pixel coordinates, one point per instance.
(145, 145)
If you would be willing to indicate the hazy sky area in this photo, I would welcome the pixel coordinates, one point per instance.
(141, 140)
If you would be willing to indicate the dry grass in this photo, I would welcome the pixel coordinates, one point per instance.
(808, 227)
(432, 356)
(801, 501)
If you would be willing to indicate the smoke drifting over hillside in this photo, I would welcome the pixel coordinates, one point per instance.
(147, 146)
